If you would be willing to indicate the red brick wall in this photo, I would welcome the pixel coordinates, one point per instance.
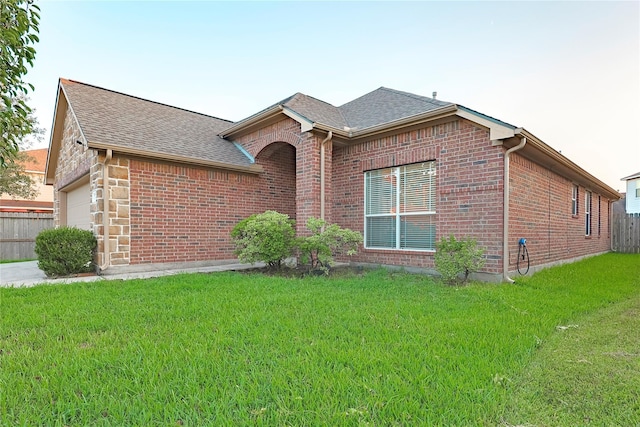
(181, 213)
(469, 186)
(540, 211)
(307, 164)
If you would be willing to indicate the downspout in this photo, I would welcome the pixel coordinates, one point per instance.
(322, 173)
(105, 210)
(505, 211)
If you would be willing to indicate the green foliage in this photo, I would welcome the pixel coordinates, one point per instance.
(64, 251)
(268, 237)
(19, 26)
(458, 257)
(15, 182)
(326, 242)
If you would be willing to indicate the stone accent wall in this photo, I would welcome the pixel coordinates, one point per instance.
(74, 162)
(119, 209)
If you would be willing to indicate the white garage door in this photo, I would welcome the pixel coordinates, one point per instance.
(78, 210)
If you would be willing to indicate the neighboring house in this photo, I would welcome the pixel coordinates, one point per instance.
(34, 166)
(405, 170)
(633, 193)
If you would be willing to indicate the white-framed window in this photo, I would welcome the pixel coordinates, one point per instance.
(587, 213)
(638, 193)
(574, 200)
(400, 207)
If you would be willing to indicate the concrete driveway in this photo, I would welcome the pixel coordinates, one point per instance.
(21, 273)
(26, 274)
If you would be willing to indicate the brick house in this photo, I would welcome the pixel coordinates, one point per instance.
(403, 169)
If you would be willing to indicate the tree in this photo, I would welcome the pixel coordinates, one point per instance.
(14, 181)
(19, 26)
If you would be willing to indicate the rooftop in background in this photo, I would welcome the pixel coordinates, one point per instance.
(633, 176)
(37, 160)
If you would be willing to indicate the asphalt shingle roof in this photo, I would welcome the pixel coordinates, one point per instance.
(385, 105)
(381, 106)
(110, 117)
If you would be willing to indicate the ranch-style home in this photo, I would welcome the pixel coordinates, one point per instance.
(403, 169)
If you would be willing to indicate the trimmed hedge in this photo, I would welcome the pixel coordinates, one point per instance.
(65, 251)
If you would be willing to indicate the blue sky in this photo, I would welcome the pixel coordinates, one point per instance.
(569, 72)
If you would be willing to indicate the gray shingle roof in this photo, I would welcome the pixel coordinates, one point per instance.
(385, 105)
(316, 110)
(381, 106)
(125, 121)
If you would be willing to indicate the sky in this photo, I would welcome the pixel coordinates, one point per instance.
(568, 72)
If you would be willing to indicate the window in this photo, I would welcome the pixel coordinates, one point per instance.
(587, 213)
(599, 215)
(400, 207)
(638, 193)
(574, 200)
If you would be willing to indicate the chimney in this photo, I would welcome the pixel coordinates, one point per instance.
(434, 94)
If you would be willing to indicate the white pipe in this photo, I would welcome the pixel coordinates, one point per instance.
(105, 211)
(505, 210)
(322, 173)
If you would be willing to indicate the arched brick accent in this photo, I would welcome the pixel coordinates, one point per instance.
(264, 141)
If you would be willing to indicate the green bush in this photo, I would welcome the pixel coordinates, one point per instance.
(65, 250)
(268, 237)
(326, 242)
(455, 258)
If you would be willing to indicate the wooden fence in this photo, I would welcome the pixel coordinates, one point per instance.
(18, 231)
(625, 232)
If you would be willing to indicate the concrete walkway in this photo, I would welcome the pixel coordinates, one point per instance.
(26, 274)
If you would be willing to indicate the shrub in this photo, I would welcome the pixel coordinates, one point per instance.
(325, 242)
(454, 258)
(268, 237)
(65, 250)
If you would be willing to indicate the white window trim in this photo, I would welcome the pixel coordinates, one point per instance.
(397, 215)
(587, 213)
(574, 199)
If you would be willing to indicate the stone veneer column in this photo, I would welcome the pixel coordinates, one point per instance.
(118, 209)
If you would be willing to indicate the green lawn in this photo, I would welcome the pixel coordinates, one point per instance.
(235, 349)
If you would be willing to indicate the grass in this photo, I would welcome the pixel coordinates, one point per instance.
(587, 373)
(234, 349)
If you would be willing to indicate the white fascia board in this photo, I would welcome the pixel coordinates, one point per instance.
(305, 124)
(497, 131)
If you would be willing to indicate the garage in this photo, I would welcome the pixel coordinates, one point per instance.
(78, 206)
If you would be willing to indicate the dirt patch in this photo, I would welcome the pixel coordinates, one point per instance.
(303, 271)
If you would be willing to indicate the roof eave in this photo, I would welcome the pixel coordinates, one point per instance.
(252, 122)
(557, 161)
(251, 169)
(634, 176)
(56, 127)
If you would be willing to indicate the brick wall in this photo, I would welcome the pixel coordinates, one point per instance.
(307, 164)
(181, 213)
(469, 186)
(540, 211)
